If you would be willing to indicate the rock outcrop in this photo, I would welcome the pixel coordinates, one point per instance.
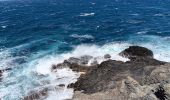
(76, 64)
(141, 78)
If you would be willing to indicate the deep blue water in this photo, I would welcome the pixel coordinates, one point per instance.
(33, 29)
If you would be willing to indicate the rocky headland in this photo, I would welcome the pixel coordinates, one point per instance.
(140, 78)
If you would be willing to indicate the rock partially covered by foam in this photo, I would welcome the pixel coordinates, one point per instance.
(4, 70)
(137, 51)
(107, 56)
(83, 60)
(37, 95)
(78, 64)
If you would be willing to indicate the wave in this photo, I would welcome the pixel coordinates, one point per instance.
(87, 14)
(86, 36)
(135, 21)
(4, 26)
(142, 32)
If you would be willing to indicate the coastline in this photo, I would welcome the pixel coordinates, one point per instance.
(142, 77)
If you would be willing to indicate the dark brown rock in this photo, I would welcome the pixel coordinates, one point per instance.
(137, 79)
(36, 95)
(76, 64)
(137, 51)
(125, 81)
(111, 71)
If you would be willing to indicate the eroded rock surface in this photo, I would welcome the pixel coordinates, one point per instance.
(141, 78)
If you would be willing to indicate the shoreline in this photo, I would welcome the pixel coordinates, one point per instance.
(142, 77)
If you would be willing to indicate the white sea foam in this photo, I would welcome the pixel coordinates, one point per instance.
(61, 94)
(135, 21)
(86, 36)
(135, 14)
(4, 26)
(87, 14)
(159, 14)
(43, 65)
(5, 59)
(142, 32)
(93, 3)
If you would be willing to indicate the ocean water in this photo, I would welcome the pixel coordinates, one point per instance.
(34, 34)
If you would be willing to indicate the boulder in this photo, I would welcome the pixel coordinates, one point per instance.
(136, 51)
(107, 56)
(83, 60)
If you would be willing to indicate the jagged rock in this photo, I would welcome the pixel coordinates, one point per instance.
(74, 60)
(76, 64)
(138, 79)
(161, 94)
(65, 64)
(137, 51)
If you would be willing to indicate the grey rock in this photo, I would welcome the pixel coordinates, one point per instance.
(107, 56)
(83, 60)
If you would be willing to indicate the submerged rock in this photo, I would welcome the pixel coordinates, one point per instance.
(137, 79)
(107, 56)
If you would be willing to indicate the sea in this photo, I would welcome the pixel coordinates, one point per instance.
(35, 34)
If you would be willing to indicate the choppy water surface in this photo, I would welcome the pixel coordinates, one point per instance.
(34, 34)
